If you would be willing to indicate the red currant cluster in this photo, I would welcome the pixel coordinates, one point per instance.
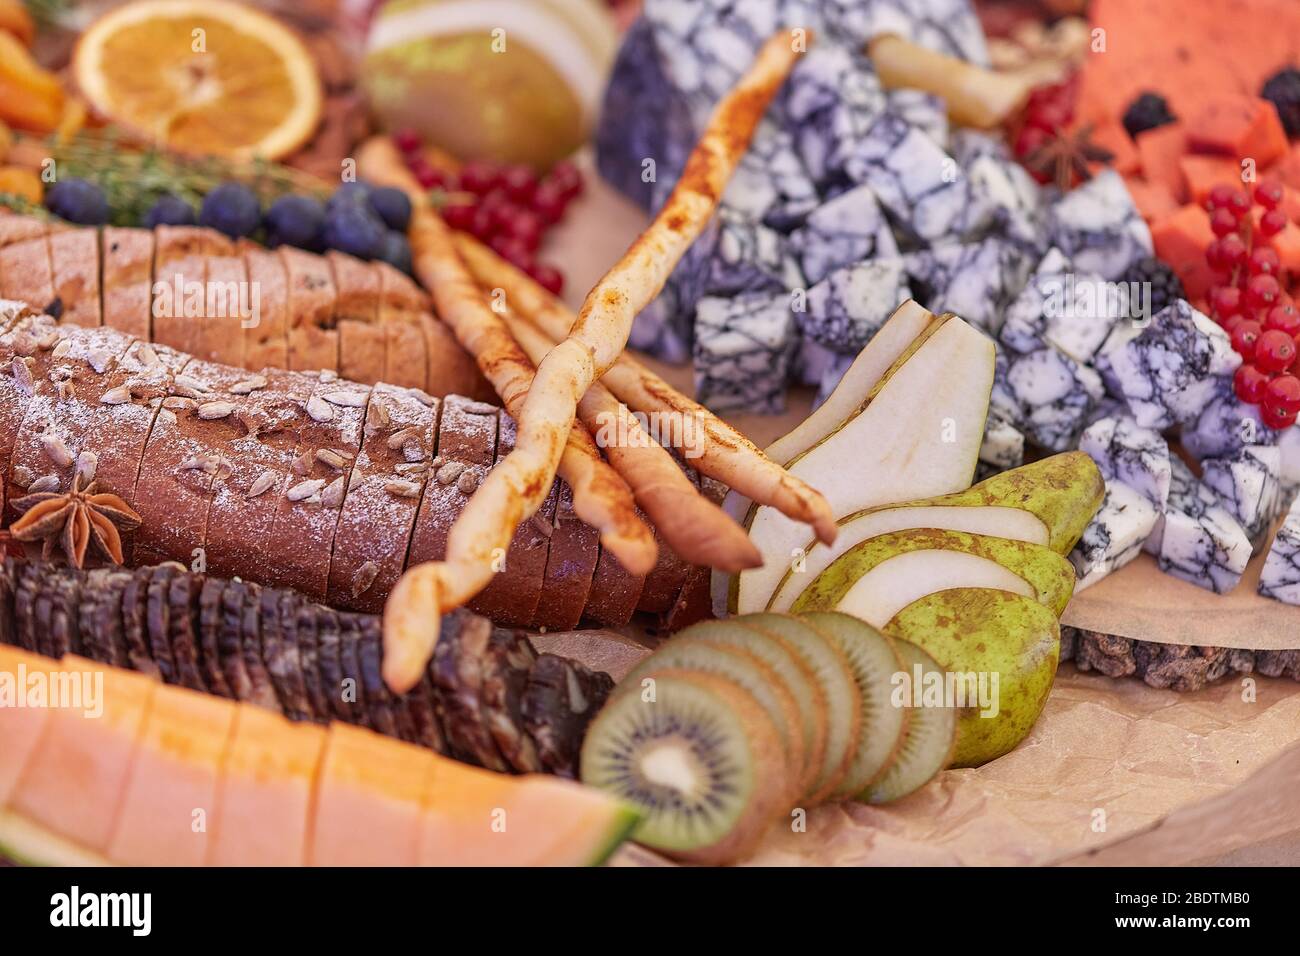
(1048, 111)
(508, 207)
(1250, 299)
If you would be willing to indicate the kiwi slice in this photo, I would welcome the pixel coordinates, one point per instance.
(743, 668)
(929, 742)
(702, 762)
(875, 661)
(797, 676)
(833, 673)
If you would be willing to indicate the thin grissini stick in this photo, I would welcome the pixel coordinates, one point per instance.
(727, 455)
(516, 488)
(696, 528)
(601, 498)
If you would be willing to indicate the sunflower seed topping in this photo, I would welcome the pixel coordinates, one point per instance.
(44, 483)
(449, 472)
(249, 385)
(210, 411)
(320, 410)
(56, 450)
(262, 484)
(87, 463)
(364, 578)
(305, 489)
(467, 483)
(403, 489)
(332, 496)
(346, 399)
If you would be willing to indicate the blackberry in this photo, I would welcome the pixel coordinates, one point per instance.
(169, 210)
(1166, 287)
(295, 221)
(1282, 89)
(1146, 112)
(393, 207)
(231, 208)
(78, 200)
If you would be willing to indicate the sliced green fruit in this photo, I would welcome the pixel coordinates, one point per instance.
(877, 578)
(30, 844)
(875, 661)
(931, 731)
(831, 669)
(1001, 643)
(701, 761)
(792, 671)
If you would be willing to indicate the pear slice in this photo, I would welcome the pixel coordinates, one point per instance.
(877, 578)
(918, 433)
(931, 731)
(1048, 502)
(1001, 650)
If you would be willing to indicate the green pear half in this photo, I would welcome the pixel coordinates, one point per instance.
(1000, 650)
(917, 433)
(1048, 502)
(877, 578)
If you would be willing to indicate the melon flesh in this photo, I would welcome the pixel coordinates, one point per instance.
(368, 799)
(170, 802)
(264, 799)
(75, 781)
(20, 727)
(29, 844)
(475, 817)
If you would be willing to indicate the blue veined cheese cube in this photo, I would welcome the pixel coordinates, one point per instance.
(1003, 448)
(1173, 367)
(1248, 484)
(967, 145)
(1115, 535)
(1131, 455)
(1045, 394)
(847, 229)
(845, 310)
(1006, 202)
(828, 103)
(1075, 312)
(736, 253)
(975, 280)
(770, 184)
(1225, 426)
(1288, 440)
(1280, 577)
(744, 350)
(1196, 538)
(923, 110)
(831, 376)
(915, 180)
(948, 26)
(1099, 228)
(663, 328)
(1120, 335)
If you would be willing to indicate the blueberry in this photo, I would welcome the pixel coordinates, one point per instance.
(393, 207)
(233, 209)
(355, 229)
(396, 251)
(169, 210)
(356, 191)
(296, 221)
(79, 201)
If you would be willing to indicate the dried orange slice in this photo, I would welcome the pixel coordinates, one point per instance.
(201, 76)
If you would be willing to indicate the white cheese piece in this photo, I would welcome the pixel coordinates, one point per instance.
(1197, 539)
(1115, 535)
(1099, 227)
(845, 309)
(1126, 452)
(744, 349)
(1075, 312)
(1280, 577)
(846, 230)
(1045, 394)
(977, 280)
(1248, 484)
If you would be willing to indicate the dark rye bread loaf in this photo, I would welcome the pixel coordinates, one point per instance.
(252, 475)
(487, 699)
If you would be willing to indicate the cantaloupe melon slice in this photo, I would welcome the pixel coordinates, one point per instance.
(170, 800)
(21, 726)
(29, 844)
(75, 781)
(368, 797)
(264, 799)
(475, 817)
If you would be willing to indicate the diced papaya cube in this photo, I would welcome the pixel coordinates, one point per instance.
(1243, 127)
(1287, 169)
(1203, 173)
(1159, 151)
(1153, 200)
(1112, 137)
(21, 724)
(1180, 240)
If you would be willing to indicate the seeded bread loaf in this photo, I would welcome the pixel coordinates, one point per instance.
(229, 305)
(179, 271)
(74, 263)
(26, 276)
(570, 564)
(128, 280)
(356, 311)
(401, 305)
(266, 344)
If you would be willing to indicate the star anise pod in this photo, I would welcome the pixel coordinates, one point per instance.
(1065, 155)
(73, 519)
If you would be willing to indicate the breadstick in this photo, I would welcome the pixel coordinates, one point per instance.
(697, 529)
(728, 455)
(519, 483)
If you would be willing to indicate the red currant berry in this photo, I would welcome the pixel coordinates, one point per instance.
(1249, 384)
(1283, 318)
(1283, 394)
(1245, 335)
(1262, 292)
(1269, 194)
(1231, 322)
(549, 203)
(1220, 197)
(1239, 204)
(408, 141)
(479, 178)
(481, 226)
(1272, 222)
(527, 227)
(1225, 301)
(1048, 117)
(1234, 251)
(1223, 222)
(459, 215)
(520, 183)
(568, 178)
(1029, 139)
(512, 250)
(1263, 261)
(1276, 419)
(1275, 351)
(549, 278)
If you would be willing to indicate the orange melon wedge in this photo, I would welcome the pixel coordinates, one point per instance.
(171, 795)
(264, 802)
(21, 725)
(74, 782)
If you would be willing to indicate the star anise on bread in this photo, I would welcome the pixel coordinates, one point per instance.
(73, 519)
(1067, 154)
